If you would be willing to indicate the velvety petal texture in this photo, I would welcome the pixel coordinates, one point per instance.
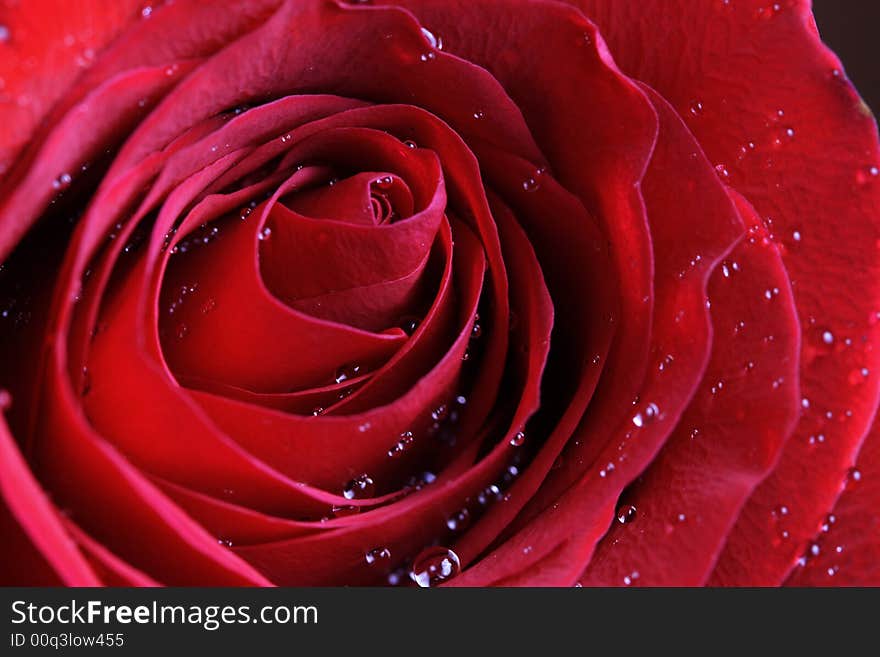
(316, 292)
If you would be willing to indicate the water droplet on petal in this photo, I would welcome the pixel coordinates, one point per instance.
(440, 413)
(853, 476)
(346, 372)
(360, 487)
(433, 41)
(435, 565)
(344, 510)
(403, 444)
(626, 514)
(265, 234)
(409, 325)
(648, 415)
(378, 556)
(62, 182)
(518, 439)
(459, 520)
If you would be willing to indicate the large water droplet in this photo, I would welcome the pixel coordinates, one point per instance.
(360, 487)
(435, 565)
(518, 439)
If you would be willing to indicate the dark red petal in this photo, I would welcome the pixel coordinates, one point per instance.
(36, 530)
(729, 437)
(770, 105)
(112, 570)
(693, 224)
(848, 538)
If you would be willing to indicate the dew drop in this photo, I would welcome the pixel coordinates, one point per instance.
(518, 439)
(828, 337)
(533, 182)
(488, 495)
(360, 487)
(853, 476)
(385, 182)
(459, 520)
(403, 444)
(646, 416)
(433, 40)
(434, 565)
(626, 514)
(409, 325)
(62, 182)
(440, 413)
(344, 510)
(265, 234)
(829, 520)
(477, 329)
(696, 108)
(409, 143)
(378, 556)
(479, 114)
(346, 372)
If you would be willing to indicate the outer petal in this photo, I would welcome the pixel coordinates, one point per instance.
(728, 439)
(771, 107)
(48, 45)
(848, 540)
(29, 506)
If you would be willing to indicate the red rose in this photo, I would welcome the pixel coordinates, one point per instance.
(477, 293)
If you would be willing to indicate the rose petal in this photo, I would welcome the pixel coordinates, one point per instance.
(808, 172)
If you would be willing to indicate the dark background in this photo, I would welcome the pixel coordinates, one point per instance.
(852, 29)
